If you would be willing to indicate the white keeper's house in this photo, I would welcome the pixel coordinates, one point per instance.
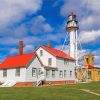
(45, 65)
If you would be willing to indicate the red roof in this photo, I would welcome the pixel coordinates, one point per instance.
(91, 67)
(72, 14)
(58, 53)
(17, 61)
(23, 60)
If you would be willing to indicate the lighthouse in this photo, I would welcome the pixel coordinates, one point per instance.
(72, 28)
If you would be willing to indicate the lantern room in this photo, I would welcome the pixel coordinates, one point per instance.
(72, 23)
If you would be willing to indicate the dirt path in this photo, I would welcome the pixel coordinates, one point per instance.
(88, 91)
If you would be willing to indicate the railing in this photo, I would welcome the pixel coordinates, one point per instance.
(40, 79)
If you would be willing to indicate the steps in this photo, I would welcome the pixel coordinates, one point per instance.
(8, 83)
(39, 80)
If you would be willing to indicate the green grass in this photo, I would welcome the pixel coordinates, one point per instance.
(96, 91)
(64, 92)
(90, 86)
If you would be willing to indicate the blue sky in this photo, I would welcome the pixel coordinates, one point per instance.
(39, 21)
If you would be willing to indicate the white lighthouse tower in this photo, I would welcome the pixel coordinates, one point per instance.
(72, 27)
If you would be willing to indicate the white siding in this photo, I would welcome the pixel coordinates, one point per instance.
(34, 64)
(26, 73)
(11, 75)
(61, 67)
(45, 57)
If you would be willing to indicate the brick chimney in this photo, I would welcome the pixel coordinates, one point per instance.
(49, 44)
(20, 47)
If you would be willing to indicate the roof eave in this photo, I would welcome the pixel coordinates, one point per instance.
(12, 67)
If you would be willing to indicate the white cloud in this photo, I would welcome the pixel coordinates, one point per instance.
(36, 40)
(47, 28)
(39, 25)
(93, 5)
(69, 6)
(90, 22)
(13, 51)
(87, 12)
(20, 31)
(79, 6)
(8, 41)
(89, 36)
(14, 10)
(96, 60)
(96, 54)
(11, 41)
(36, 25)
(27, 49)
(87, 22)
(64, 48)
(92, 16)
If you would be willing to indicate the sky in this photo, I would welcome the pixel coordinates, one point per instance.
(38, 22)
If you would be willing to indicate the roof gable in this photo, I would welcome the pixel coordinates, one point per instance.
(58, 53)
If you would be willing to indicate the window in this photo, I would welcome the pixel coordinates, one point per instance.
(47, 73)
(98, 72)
(53, 73)
(17, 71)
(39, 71)
(41, 52)
(89, 74)
(66, 62)
(87, 61)
(33, 71)
(65, 73)
(4, 72)
(49, 61)
(61, 74)
(70, 73)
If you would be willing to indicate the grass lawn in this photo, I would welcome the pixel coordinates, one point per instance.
(96, 91)
(64, 92)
